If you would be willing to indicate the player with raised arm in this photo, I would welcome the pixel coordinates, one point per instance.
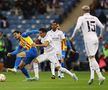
(49, 52)
(87, 23)
(28, 53)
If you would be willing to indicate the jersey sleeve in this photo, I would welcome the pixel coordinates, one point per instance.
(25, 34)
(49, 39)
(39, 38)
(16, 51)
(77, 27)
(62, 35)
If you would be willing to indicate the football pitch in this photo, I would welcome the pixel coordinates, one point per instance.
(17, 82)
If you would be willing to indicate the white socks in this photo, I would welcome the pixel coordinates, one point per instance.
(91, 71)
(53, 69)
(66, 71)
(95, 66)
(36, 69)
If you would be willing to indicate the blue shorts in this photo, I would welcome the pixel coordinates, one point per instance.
(63, 54)
(30, 55)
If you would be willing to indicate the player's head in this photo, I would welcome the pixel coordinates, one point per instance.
(106, 45)
(58, 26)
(17, 34)
(54, 26)
(86, 9)
(42, 32)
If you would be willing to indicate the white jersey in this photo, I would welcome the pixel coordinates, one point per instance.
(87, 23)
(50, 47)
(57, 36)
(49, 51)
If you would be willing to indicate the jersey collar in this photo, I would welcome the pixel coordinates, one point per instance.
(86, 13)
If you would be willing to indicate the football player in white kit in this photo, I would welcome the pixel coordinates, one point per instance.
(49, 52)
(57, 37)
(87, 23)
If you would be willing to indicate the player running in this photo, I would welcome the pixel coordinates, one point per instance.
(27, 55)
(49, 52)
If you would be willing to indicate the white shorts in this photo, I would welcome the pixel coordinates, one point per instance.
(59, 55)
(91, 48)
(51, 56)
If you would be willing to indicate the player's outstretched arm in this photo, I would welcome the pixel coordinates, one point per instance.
(9, 54)
(30, 33)
(16, 51)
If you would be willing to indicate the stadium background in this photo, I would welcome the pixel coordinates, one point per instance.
(26, 15)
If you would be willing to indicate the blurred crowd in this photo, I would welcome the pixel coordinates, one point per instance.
(100, 5)
(5, 47)
(3, 22)
(29, 7)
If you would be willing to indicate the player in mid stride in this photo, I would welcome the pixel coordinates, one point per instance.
(49, 52)
(25, 53)
(87, 23)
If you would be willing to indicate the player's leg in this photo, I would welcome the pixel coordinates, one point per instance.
(64, 70)
(62, 65)
(97, 69)
(91, 49)
(17, 62)
(27, 56)
(52, 65)
(91, 73)
(88, 48)
(53, 58)
(36, 70)
(59, 56)
(62, 62)
(24, 62)
(30, 55)
(24, 70)
(36, 61)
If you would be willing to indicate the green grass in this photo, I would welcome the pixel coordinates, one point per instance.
(16, 82)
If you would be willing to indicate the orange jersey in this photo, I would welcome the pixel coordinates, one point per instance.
(26, 42)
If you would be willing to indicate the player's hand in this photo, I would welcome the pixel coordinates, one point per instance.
(100, 38)
(34, 45)
(9, 54)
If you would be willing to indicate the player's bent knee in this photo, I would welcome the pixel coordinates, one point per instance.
(58, 68)
(21, 65)
(22, 54)
(91, 57)
(35, 61)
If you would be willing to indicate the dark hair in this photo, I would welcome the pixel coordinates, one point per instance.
(44, 30)
(55, 22)
(16, 32)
